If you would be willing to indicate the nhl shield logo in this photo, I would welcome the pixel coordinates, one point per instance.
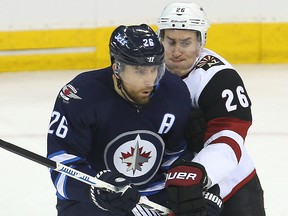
(136, 154)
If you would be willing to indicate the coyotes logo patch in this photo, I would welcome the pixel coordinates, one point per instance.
(208, 62)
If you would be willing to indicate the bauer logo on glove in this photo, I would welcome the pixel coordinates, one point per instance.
(186, 174)
(181, 175)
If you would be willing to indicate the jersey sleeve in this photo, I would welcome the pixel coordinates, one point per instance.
(69, 140)
(227, 108)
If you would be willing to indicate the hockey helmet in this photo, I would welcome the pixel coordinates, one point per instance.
(136, 45)
(184, 16)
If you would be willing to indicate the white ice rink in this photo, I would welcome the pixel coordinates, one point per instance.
(26, 102)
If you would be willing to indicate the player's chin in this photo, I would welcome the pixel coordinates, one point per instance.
(142, 100)
(175, 68)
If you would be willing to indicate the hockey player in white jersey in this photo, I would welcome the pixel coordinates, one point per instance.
(221, 114)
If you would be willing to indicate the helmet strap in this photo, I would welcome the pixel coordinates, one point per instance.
(125, 94)
(119, 81)
(128, 98)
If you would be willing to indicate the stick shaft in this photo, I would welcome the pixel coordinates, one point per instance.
(73, 173)
(28, 154)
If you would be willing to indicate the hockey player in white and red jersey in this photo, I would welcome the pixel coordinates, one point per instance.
(221, 114)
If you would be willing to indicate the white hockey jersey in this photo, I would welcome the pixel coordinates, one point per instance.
(218, 90)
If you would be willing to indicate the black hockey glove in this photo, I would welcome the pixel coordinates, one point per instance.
(213, 201)
(185, 183)
(195, 130)
(120, 203)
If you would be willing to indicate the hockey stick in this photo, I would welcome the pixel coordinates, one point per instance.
(79, 175)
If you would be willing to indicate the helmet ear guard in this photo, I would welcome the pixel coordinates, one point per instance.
(117, 68)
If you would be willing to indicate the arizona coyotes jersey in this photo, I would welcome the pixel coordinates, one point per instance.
(92, 128)
(217, 89)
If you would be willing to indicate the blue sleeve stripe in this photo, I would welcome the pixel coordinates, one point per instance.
(60, 197)
(56, 153)
(60, 184)
(170, 157)
(153, 189)
(184, 147)
(63, 157)
(168, 163)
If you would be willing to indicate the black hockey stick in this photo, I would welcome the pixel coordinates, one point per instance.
(78, 175)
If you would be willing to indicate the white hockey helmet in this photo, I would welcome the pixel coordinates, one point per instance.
(184, 16)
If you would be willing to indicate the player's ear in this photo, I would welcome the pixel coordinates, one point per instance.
(116, 69)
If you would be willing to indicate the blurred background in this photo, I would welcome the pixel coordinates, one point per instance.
(44, 44)
(48, 35)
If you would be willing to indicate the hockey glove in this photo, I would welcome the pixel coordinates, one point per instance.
(119, 203)
(185, 183)
(213, 201)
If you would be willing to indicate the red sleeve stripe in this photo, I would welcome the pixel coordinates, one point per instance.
(232, 143)
(230, 131)
(238, 125)
(231, 138)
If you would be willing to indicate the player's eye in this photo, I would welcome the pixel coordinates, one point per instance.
(185, 43)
